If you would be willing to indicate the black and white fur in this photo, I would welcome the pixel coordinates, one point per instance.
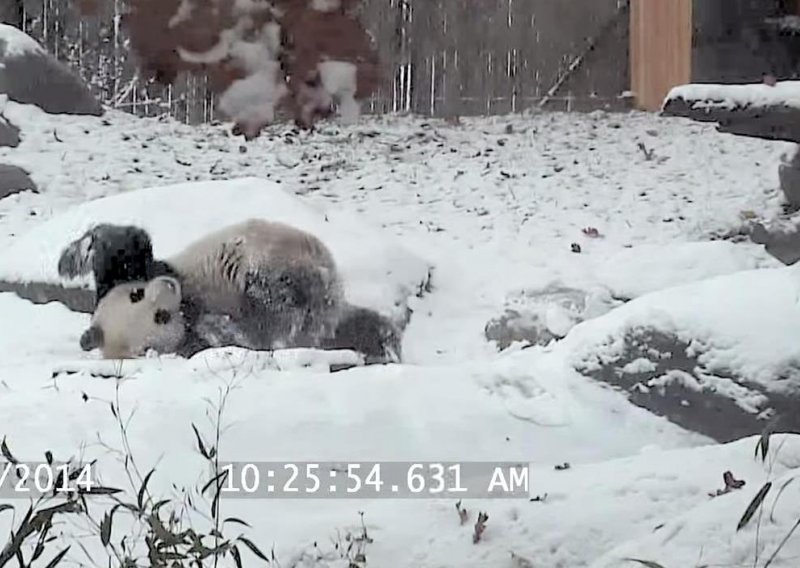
(257, 284)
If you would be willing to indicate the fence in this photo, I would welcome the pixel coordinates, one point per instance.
(446, 57)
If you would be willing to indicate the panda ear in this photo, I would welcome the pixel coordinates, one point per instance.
(171, 283)
(92, 338)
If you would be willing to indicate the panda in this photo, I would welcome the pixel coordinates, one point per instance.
(157, 301)
(256, 284)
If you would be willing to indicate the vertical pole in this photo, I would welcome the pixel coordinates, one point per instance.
(660, 49)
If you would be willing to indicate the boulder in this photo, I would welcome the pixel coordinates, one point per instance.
(30, 75)
(9, 134)
(536, 317)
(14, 179)
(763, 111)
(782, 243)
(719, 357)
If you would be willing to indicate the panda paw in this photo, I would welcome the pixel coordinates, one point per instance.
(369, 333)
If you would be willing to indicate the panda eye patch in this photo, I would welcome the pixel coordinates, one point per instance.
(137, 295)
(162, 317)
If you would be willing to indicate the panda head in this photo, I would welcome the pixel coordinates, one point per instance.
(135, 317)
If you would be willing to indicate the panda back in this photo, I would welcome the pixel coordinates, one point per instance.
(218, 266)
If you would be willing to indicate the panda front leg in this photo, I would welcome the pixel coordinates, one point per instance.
(115, 254)
(369, 333)
(272, 309)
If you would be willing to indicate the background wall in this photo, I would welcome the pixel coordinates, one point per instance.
(443, 57)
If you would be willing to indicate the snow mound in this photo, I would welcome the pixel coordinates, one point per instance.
(702, 95)
(745, 323)
(14, 42)
(378, 272)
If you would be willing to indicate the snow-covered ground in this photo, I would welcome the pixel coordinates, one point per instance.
(498, 207)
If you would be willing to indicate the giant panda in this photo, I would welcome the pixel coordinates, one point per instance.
(256, 284)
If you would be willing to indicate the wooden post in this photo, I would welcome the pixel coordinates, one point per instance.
(660, 49)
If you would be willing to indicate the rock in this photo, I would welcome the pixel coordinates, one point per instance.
(513, 327)
(14, 179)
(781, 244)
(536, 317)
(30, 75)
(661, 373)
(76, 299)
(735, 112)
(9, 134)
(789, 176)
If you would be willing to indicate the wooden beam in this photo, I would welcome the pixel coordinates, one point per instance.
(660, 49)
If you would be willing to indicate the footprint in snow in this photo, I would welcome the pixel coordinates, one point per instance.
(528, 401)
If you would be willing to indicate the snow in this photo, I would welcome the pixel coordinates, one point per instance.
(494, 205)
(660, 267)
(701, 95)
(14, 42)
(182, 14)
(339, 80)
(325, 5)
(789, 23)
(705, 533)
(251, 100)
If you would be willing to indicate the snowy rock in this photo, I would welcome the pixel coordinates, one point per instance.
(719, 357)
(758, 110)
(702, 95)
(14, 179)
(513, 327)
(789, 175)
(30, 75)
(377, 271)
(539, 316)
(783, 243)
(9, 134)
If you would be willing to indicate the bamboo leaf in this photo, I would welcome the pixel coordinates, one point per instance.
(754, 505)
(143, 488)
(253, 548)
(645, 563)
